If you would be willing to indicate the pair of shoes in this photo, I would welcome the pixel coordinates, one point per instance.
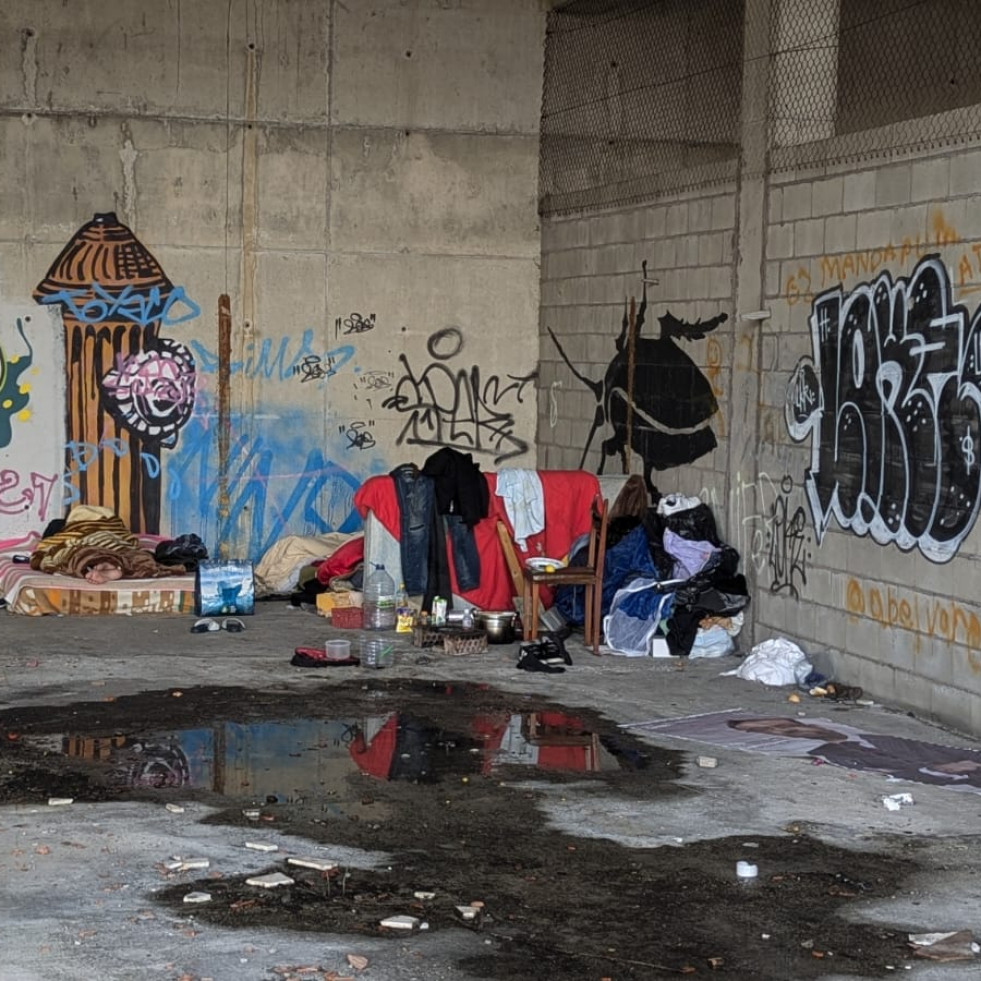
(534, 657)
(207, 624)
(315, 657)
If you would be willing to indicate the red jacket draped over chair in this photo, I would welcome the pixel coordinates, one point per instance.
(568, 496)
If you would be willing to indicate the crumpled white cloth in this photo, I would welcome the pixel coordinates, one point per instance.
(524, 502)
(774, 662)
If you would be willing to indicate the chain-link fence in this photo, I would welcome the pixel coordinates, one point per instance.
(858, 78)
(644, 96)
(640, 96)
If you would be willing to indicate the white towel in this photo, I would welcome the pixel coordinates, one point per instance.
(524, 502)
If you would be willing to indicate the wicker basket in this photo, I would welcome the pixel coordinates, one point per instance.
(465, 642)
(347, 617)
(453, 640)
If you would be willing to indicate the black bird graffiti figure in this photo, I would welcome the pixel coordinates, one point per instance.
(662, 412)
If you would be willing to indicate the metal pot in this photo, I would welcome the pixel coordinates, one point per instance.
(497, 624)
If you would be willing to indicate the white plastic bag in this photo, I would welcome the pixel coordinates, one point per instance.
(631, 635)
(774, 662)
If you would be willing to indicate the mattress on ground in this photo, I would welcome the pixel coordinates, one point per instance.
(40, 593)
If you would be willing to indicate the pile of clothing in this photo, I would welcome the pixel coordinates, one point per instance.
(668, 579)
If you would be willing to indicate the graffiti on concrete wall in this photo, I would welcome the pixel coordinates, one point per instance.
(279, 360)
(653, 396)
(31, 420)
(891, 401)
(929, 616)
(125, 383)
(279, 482)
(770, 534)
(14, 392)
(453, 406)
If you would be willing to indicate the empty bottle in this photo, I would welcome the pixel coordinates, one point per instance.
(379, 600)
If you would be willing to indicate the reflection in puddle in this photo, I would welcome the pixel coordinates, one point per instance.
(286, 761)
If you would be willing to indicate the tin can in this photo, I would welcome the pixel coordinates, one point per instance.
(439, 611)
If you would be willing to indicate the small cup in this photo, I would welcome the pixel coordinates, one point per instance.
(338, 650)
(746, 870)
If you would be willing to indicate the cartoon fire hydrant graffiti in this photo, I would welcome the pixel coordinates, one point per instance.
(128, 390)
(653, 395)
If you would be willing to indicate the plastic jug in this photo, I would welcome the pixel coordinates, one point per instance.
(379, 600)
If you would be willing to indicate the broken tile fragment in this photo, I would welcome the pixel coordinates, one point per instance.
(175, 808)
(270, 881)
(357, 961)
(198, 897)
(60, 801)
(178, 864)
(707, 762)
(400, 922)
(468, 912)
(320, 864)
(421, 894)
(262, 846)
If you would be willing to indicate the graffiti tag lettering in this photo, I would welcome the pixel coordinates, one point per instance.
(455, 408)
(891, 400)
(19, 492)
(787, 543)
(94, 304)
(355, 324)
(358, 435)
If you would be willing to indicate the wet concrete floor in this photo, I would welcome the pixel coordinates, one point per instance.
(446, 779)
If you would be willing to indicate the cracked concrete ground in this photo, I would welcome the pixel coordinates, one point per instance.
(80, 896)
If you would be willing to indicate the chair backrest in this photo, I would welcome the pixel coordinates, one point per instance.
(596, 555)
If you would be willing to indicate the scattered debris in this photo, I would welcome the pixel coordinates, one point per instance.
(707, 762)
(178, 864)
(956, 946)
(270, 881)
(175, 808)
(419, 894)
(320, 864)
(746, 870)
(467, 912)
(198, 897)
(400, 922)
(252, 813)
(895, 801)
(60, 801)
(262, 846)
(357, 961)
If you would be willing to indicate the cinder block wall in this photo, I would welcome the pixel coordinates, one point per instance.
(873, 546)
(848, 383)
(359, 179)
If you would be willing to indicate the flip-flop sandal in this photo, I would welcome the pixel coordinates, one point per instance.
(205, 625)
(314, 657)
(233, 625)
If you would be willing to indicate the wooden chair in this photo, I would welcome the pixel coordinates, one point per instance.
(589, 575)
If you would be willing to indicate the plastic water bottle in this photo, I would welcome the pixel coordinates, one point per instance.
(379, 600)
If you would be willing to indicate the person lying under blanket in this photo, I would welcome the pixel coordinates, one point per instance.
(96, 545)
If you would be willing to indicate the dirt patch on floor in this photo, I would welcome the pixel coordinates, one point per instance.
(447, 779)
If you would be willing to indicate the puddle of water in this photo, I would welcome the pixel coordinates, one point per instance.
(442, 778)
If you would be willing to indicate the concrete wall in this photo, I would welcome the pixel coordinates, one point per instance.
(359, 180)
(847, 468)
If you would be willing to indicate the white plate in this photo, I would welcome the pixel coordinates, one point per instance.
(542, 565)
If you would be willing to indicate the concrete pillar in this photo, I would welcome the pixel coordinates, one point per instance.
(745, 378)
